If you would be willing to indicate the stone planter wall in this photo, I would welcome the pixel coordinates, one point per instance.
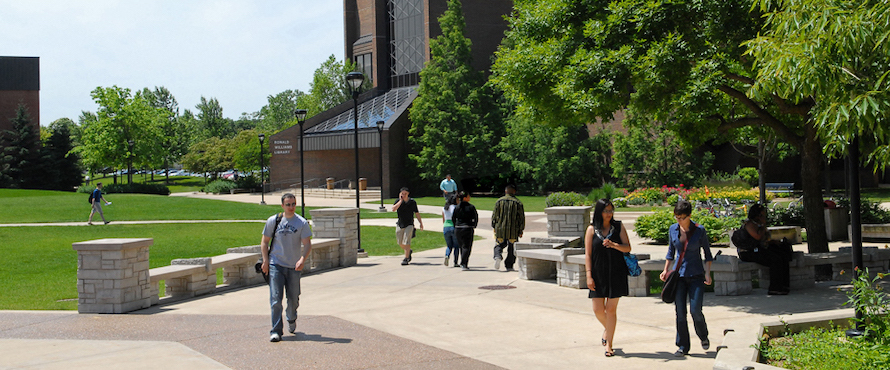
(567, 221)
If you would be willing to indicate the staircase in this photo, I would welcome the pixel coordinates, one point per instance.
(369, 194)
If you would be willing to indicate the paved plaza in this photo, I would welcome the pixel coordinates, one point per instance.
(381, 315)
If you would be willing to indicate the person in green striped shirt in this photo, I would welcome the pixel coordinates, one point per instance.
(508, 222)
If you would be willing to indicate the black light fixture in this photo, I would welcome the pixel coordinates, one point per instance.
(130, 162)
(380, 138)
(355, 80)
(301, 116)
(262, 172)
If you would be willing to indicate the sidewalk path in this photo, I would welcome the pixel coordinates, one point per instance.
(382, 315)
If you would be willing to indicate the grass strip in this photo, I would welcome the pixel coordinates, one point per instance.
(41, 268)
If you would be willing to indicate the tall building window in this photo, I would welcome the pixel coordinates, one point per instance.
(364, 63)
(407, 52)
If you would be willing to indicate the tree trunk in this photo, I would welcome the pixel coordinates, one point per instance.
(761, 163)
(811, 176)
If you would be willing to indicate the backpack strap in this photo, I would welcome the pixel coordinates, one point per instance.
(272, 239)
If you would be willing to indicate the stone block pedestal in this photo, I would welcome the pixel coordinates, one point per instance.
(112, 275)
(338, 223)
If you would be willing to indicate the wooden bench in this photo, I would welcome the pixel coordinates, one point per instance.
(779, 187)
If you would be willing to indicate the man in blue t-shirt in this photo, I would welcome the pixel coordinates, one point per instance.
(284, 261)
(448, 186)
(96, 200)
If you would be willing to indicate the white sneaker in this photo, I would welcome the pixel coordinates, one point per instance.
(497, 264)
(275, 338)
(292, 326)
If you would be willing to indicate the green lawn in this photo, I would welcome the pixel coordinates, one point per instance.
(178, 184)
(41, 268)
(37, 206)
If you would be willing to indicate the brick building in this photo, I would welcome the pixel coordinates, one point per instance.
(389, 41)
(19, 84)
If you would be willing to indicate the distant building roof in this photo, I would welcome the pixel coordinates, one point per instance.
(380, 108)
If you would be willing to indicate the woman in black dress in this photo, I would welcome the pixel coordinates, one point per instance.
(605, 243)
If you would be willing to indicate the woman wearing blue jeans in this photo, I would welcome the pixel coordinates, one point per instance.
(450, 237)
(687, 240)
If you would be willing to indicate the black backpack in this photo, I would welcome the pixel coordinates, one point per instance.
(90, 201)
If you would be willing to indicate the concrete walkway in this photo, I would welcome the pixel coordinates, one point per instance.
(380, 314)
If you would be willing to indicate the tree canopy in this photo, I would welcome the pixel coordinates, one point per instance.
(681, 63)
(456, 121)
(835, 54)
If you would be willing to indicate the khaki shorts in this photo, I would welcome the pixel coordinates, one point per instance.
(403, 235)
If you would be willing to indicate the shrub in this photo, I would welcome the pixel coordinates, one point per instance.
(645, 196)
(134, 188)
(247, 182)
(750, 175)
(655, 226)
(871, 212)
(820, 348)
(220, 186)
(620, 202)
(562, 199)
(783, 216)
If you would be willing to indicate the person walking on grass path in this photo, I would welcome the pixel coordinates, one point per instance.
(508, 222)
(406, 209)
(284, 261)
(96, 200)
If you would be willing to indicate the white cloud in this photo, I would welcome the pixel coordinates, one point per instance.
(238, 51)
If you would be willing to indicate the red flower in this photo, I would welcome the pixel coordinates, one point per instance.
(681, 185)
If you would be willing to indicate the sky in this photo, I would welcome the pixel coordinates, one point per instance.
(237, 51)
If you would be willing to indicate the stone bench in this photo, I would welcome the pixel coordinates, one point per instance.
(638, 286)
(541, 266)
(325, 255)
(181, 280)
(238, 268)
(871, 232)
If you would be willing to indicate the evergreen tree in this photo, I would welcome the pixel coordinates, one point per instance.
(62, 166)
(19, 161)
(455, 116)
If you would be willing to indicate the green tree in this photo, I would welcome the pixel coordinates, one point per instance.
(555, 157)
(210, 114)
(329, 87)
(649, 155)
(121, 118)
(681, 63)
(176, 140)
(833, 56)
(246, 156)
(20, 164)
(62, 169)
(454, 117)
(212, 155)
(278, 114)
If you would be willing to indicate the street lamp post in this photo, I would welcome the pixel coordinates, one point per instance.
(380, 138)
(301, 116)
(130, 162)
(355, 80)
(262, 173)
